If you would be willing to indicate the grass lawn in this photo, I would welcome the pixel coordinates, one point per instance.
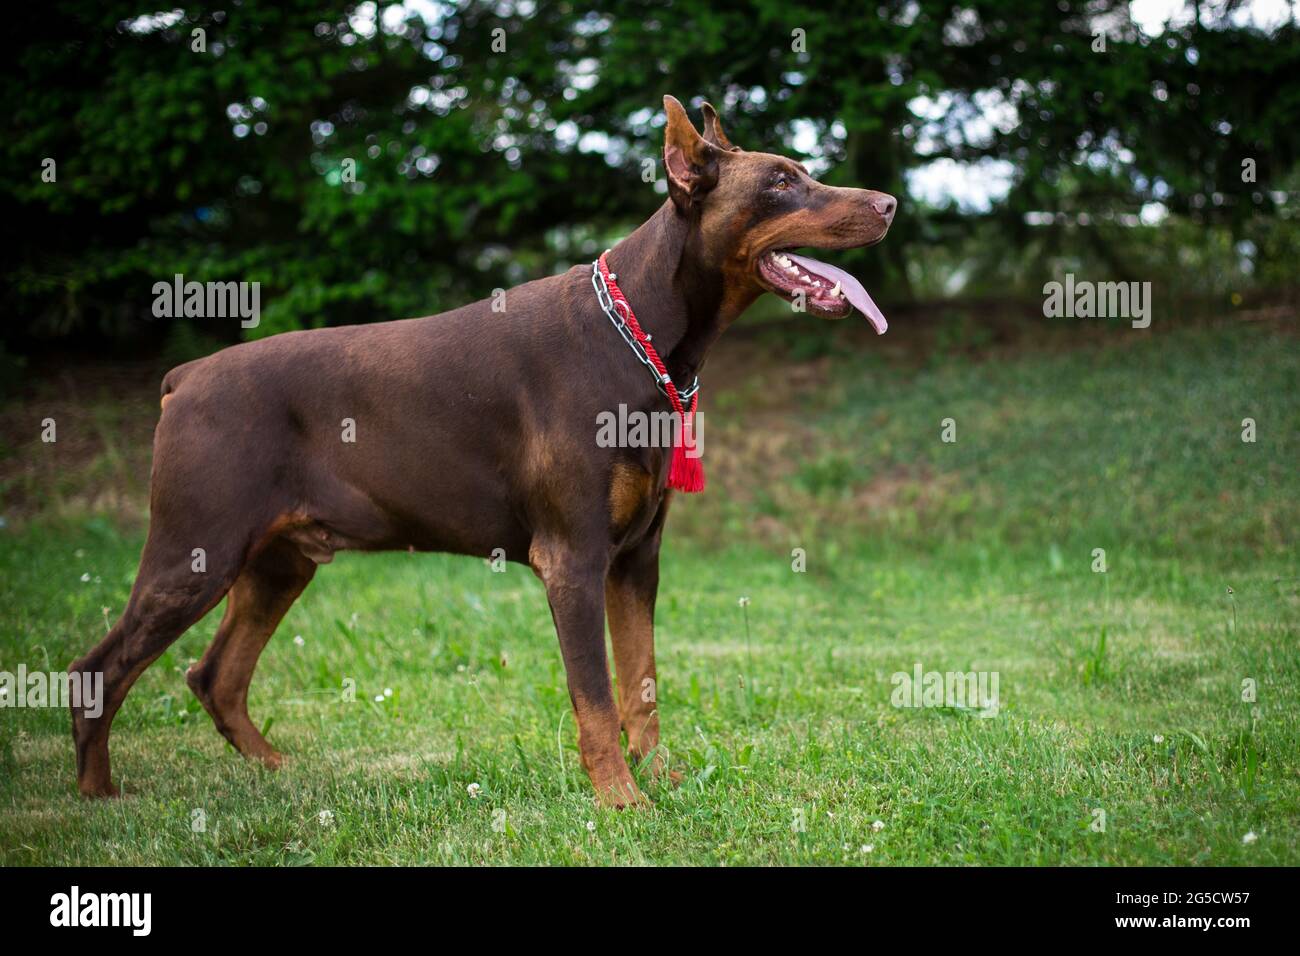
(1120, 693)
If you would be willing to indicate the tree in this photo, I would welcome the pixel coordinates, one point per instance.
(367, 164)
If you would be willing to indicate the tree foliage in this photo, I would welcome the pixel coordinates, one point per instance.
(478, 166)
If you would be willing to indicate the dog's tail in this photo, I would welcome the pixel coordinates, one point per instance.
(174, 378)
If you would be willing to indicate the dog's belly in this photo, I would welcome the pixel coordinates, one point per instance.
(320, 538)
(460, 507)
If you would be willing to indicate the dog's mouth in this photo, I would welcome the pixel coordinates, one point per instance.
(827, 291)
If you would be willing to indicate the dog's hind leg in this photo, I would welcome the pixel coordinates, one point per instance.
(171, 592)
(267, 586)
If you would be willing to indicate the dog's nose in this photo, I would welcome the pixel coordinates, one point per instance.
(885, 205)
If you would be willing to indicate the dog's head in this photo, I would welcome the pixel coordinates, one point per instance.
(753, 209)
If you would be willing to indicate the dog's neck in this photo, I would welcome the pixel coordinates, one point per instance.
(679, 296)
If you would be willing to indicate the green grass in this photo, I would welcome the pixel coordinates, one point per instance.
(1119, 692)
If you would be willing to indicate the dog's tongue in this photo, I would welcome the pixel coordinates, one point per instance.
(851, 287)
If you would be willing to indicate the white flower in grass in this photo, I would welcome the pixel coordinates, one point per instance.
(744, 601)
(473, 790)
(379, 698)
(868, 848)
(388, 692)
(1158, 738)
(877, 826)
(85, 578)
(1250, 838)
(325, 818)
(591, 826)
(297, 639)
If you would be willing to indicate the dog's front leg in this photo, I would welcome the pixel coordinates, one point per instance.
(575, 589)
(630, 594)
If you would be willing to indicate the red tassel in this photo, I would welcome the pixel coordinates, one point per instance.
(686, 474)
(687, 471)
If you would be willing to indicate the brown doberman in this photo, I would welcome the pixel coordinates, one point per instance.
(469, 432)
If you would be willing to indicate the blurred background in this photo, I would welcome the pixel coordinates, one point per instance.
(1154, 141)
(1020, 149)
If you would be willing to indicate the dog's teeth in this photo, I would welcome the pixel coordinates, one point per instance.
(835, 289)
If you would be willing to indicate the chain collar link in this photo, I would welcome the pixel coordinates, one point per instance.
(619, 320)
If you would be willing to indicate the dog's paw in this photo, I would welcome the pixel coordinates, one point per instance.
(99, 791)
(622, 795)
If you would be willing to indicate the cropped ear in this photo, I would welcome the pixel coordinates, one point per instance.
(713, 130)
(691, 163)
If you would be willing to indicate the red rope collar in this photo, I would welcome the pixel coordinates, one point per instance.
(686, 472)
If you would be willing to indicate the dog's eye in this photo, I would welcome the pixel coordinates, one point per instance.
(781, 183)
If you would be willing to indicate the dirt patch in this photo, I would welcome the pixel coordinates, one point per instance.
(101, 417)
(911, 487)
